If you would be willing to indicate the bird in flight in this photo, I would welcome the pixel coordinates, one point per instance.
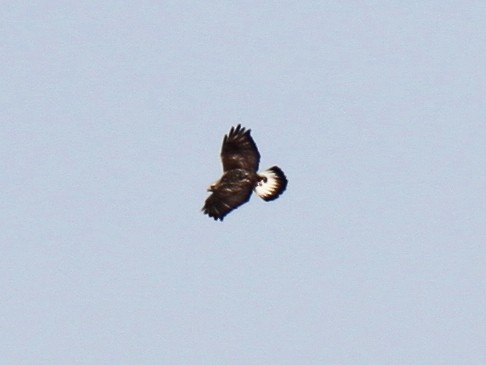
(240, 158)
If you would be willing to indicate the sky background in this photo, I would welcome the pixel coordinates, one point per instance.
(111, 121)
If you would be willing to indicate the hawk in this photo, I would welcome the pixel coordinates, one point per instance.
(240, 158)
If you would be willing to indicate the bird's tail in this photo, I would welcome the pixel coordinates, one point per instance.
(272, 183)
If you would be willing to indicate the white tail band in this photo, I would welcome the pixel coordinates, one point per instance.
(273, 183)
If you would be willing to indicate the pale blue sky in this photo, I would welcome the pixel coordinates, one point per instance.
(112, 116)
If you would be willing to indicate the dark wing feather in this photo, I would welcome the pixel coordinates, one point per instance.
(239, 151)
(226, 198)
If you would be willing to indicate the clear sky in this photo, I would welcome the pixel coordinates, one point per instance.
(111, 121)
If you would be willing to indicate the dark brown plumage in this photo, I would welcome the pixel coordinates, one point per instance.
(240, 158)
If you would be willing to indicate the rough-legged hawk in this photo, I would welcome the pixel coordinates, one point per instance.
(240, 158)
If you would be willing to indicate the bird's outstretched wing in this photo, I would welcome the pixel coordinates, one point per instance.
(227, 197)
(239, 151)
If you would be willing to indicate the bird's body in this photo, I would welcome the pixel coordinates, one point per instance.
(235, 179)
(241, 158)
